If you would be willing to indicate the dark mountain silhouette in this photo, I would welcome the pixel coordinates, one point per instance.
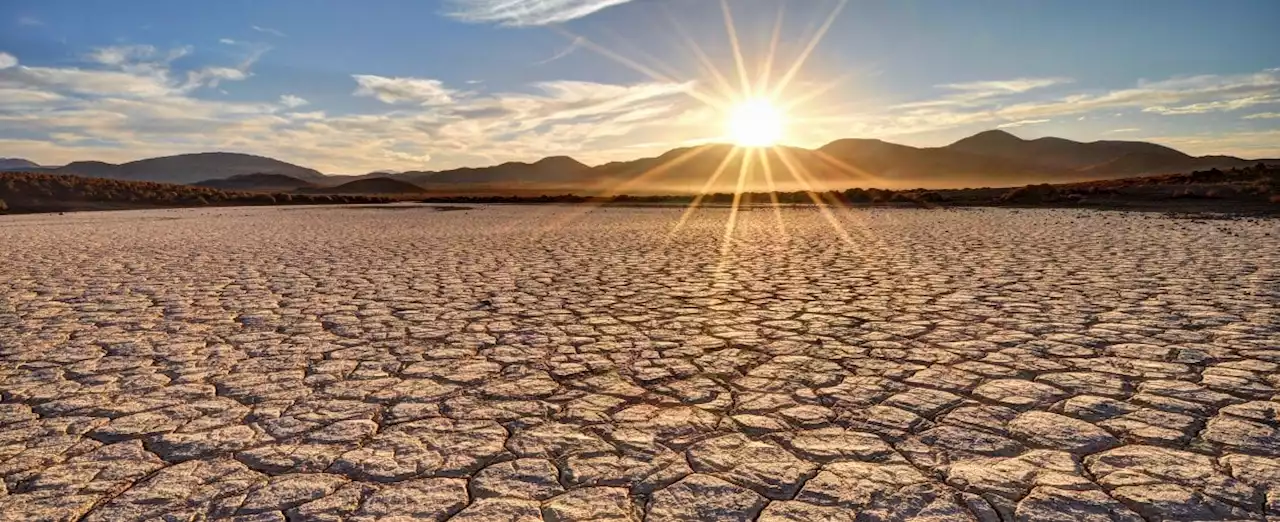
(1059, 153)
(370, 186)
(17, 164)
(191, 168)
(257, 183)
(990, 158)
(554, 169)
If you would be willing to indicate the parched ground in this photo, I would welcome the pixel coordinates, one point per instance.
(561, 363)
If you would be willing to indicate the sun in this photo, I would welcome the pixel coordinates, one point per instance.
(755, 122)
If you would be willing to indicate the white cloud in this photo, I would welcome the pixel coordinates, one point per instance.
(993, 102)
(291, 101)
(1020, 123)
(403, 90)
(227, 41)
(30, 21)
(1218, 92)
(267, 30)
(1006, 86)
(212, 76)
(7, 60)
(88, 82)
(527, 12)
(1124, 130)
(1215, 106)
(121, 54)
(28, 97)
(145, 108)
(1263, 116)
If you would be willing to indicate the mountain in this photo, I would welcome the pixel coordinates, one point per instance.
(17, 164)
(1092, 159)
(370, 186)
(191, 168)
(990, 158)
(548, 170)
(257, 183)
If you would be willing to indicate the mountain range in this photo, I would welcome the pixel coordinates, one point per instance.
(989, 158)
(183, 169)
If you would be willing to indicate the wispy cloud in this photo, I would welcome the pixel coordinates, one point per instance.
(1122, 131)
(268, 30)
(1020, 123)
(291, 101)
(1215, 106)
(30, 21)
(1006, 86)
(527, 12)
(403, 90)
(970, 94)
(137, 105)
(226, 41)
(995, 102)
(573, 46)
(121, 54)
(1263, 116)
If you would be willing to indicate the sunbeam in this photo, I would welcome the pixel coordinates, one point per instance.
(801, 175)
(737, 49)
(808, 50)
(693, 205)
(773, 189)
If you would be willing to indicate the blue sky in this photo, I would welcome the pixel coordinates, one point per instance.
(350, 87)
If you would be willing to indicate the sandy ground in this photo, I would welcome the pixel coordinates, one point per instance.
(563, 363)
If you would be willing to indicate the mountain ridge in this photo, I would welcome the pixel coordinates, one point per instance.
(988, 158)
(190, 168)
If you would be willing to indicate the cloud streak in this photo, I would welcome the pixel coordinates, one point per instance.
(268, 30)
(518, 13)
(1020, 123)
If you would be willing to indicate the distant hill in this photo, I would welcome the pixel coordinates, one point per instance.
(989, 158)
(370, 186)
(257, 183)
(17, 164)
(550, 170)
(191, 168)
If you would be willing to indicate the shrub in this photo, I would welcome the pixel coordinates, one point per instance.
(1031, 194)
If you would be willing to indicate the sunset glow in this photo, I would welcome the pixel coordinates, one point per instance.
(755, 123)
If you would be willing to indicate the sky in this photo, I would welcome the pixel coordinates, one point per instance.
(354, 87)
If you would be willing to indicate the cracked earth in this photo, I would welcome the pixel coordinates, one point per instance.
(555, 363)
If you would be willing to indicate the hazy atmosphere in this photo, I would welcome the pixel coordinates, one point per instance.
(358, 87)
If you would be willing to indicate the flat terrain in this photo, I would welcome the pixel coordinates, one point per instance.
(565, 363)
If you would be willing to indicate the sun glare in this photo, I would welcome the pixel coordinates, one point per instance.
(754, 123)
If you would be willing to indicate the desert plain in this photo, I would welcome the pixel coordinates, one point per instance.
(577, 363)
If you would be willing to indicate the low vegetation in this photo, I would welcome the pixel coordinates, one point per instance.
(1254, 189)
(23, 192)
